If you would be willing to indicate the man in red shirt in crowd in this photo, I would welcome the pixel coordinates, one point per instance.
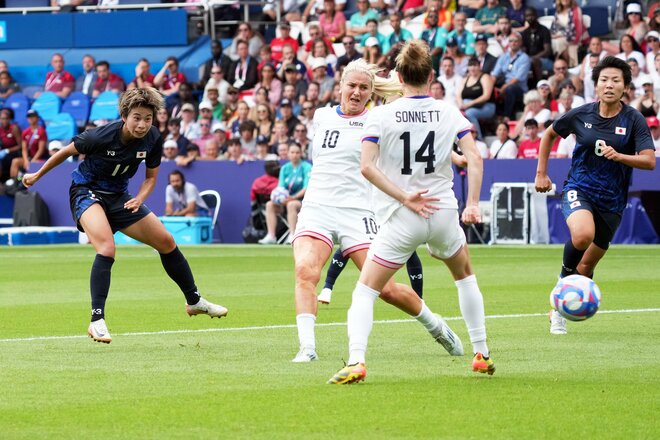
(277, 44)
(58, 80)
(529, 148)
(107, 81)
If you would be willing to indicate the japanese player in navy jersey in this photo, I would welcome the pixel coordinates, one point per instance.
(612, 139)
(101, 205)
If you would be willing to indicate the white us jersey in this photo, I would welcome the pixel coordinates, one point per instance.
(336, 179)
(416, 136)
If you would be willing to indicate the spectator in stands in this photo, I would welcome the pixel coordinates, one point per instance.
(435, 36)
(260, 97)
(85, 82)
(289, 58)
(294, 176)
(192, 154)
(449, 79)
(265, 57)
(372, 32)
(290, 10)
(106, 80)
(264, 120)
(529, 148)
(244, 32)
(335, 99)
(220, 136)
(473, 95)
(286, 110)
(325, 82)
(567, 30)
(184, 96)
(533, 110)
(560, 76)
(503, 31)
(481, 146)
(638, 77)
(283, 150)
(162, 119)
(4, 67)
(218, 83)
(350, 53)
(211, 151)
(516, 14)
(398, 35)
(143, 76)
(174, 127)
(637, 27)
(585, 80)
(279, 135)
(58, 80)
(300, 138)
(213, 97)
(537, 43)
(486, 60)
(242, 115)
(243, 73)
(291, 77)
(372, 52)
(510, 75)
(204, 135)
(629, 48)
(437, 90)
(653, 46)
(277, 43)
(189, 127)
(170, 150)
(234, 152)
(247, 136)
(7, 85)
(654, 127)
(269, 81)
(454, 52)
(10, 138)
(263, 185)
(656, 75)
(654, 18)
(565, 103)
(262, 149)
(169, 79)
(486, 18)
(230, 106)
(307, 118)
(647, 104)
(315, 34)
(205, 111)
(218, 59)
(33, 145)
(410, 8)
(289, 93)
(464, 38)
(357, 25)
(320, 54)
(182, 198)
(503, 147)
(446, 9)
(315, 7)
(312, 94)
(576, 100)
(470, 7)
(332, 22)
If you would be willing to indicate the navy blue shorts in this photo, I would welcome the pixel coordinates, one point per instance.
(82, 197)
(606, 222)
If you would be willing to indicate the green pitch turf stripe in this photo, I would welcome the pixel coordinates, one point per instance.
(287, 326)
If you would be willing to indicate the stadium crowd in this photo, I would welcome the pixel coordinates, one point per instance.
(510, 74)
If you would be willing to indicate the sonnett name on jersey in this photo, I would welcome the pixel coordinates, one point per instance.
(421, 116)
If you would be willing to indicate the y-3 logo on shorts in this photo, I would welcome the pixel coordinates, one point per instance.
(110, 153)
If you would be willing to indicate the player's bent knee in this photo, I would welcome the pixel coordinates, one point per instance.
(305, 273)
(582, 240)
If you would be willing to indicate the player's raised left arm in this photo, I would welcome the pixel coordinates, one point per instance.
(644, 160)
(145, 189)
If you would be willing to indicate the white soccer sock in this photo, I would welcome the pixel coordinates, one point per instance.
(360, 322)
(305, 322)
(472, 308)
(428, 319)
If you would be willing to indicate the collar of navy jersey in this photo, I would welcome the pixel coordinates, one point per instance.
(418, 97)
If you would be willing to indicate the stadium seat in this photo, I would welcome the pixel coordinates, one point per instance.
(105, 107)
(27, 3)
(542, 6)
(77, 105)
(62, 128)
(48, 105)
(601, 21)
(213, 200)
(20, 104)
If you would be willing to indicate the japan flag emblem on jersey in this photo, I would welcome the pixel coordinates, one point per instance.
(141, 154)
(620, 130)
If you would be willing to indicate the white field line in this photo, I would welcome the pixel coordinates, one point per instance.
(287, 326)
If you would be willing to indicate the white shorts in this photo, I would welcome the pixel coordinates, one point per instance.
(352, 228)
(404, 231)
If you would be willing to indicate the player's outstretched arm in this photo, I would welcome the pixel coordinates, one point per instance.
(542, 182)
(56, 159)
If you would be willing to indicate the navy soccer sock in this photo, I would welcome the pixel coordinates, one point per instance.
(414, 267)
(177, 267)
(337, 265)
(99, 284)
(572, 257)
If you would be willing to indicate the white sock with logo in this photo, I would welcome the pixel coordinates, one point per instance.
(471, 303)
(305, 323)
(360, 322)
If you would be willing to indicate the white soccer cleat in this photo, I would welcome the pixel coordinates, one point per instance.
(204, 307)
(325, 296)
(268, 239)
(446, 337)
(98, 331)
(305, 355)
(557, 323)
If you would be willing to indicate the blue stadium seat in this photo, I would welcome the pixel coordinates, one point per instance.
(138, 2)
(27, 3)
(48, 105)
(62, 128)
(105, 107)
(601, 22)
(544, 7)
(77, 105)
(20, 104)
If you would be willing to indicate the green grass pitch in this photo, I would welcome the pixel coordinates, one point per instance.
(166, 375)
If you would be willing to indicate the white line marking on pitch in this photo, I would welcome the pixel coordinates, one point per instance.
(285, 326)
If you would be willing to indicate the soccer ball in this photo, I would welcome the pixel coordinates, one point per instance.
(278, 195)
(575, 297)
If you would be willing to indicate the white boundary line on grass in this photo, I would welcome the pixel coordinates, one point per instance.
(286, 326)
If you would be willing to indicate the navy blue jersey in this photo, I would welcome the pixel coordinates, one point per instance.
(108, 162)
(604, 181)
